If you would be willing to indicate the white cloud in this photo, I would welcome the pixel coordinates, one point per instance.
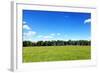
(58, 34)
(66, 35)
(29, 33)
(47, 37)
(52, 34)
(87, 21)
(26, 27)
(39, 36)
(24, 22)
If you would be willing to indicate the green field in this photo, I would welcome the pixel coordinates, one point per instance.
(56, 53)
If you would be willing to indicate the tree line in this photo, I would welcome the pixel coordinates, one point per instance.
(57, 43)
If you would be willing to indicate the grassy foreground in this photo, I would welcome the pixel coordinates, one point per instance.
(55, 53)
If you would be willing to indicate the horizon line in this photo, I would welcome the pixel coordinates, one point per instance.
(56, 40)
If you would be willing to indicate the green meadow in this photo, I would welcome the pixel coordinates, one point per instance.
(55, 53)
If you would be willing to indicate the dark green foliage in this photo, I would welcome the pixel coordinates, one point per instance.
(57, 43)
(27, 43)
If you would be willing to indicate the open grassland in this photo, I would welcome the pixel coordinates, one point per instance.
(56, 53)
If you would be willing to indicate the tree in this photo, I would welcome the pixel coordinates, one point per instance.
(27, 43)
(57, 43)
(40, 43)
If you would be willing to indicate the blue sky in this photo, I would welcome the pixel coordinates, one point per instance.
(51, 25)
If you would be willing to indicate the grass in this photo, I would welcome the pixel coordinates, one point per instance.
(56, 53)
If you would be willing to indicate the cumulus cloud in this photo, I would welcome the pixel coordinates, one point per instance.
(58, 34)
(47, 37)
(29, 33)
(87, 21)
(26, 27)
(39, 36)
(24, 22)
(52, 34)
